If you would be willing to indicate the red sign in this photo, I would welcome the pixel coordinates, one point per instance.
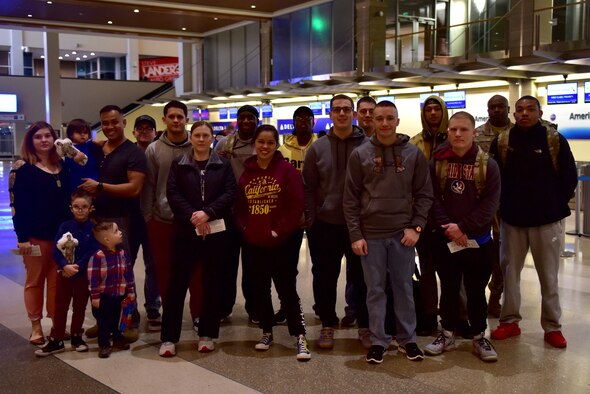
(159, 69)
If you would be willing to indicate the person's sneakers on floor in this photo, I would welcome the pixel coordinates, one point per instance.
(555, 339)
(375, 354)
(326, 339)
(121, 343)
(505, 330)
(463, 330)
(280, 317)
(444, 342)
(303, 353)
(348, 321)
(484, 349)
(92, 332)
(264, 342)
(196, 325)
(167, 349)
(154, 320)
(78, 343)
(412, 351)
(53, 346)
(104, 352)
(254, 320)
(365, 337)
(206, 345)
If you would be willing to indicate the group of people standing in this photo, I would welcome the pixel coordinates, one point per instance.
(366, 192)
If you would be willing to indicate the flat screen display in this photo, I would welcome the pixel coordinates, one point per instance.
(8, 103)
(424, 96)
(223, 113)
(387, 98)
(205, 114)
(196, 115)
(316, 107)
(233, 113)
(562, 93)
(587, 92)
(455, 99)
(267, 111)
(327, 107)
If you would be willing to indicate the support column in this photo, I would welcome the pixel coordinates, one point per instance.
(519, 88)
(132, 59)
(265, 49)
(17, 63)
(53, 105)
(370, 37)
(521, 29)
(190, 63)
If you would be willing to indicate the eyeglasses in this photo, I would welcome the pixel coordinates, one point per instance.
(337, 110)
(79, 209)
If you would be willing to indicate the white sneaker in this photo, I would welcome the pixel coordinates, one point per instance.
(206, 345)
(443, 343)
(167, 349)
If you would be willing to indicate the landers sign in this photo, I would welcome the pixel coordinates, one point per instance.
(159, 69)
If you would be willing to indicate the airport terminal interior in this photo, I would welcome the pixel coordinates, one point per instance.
(66, 59)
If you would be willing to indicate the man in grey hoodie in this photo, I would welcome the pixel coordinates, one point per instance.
(387, 197)
(323, 173)
(156, 211)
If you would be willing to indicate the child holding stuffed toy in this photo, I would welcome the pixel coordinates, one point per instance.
(110, 274)
(74, 244)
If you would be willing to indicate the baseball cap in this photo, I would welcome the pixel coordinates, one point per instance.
(147, 119)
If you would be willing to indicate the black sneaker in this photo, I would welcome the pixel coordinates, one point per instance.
(280, 317)
(375, 354)
(51, 347)
(254, 320)
(348, 321)
(78, 343)
(104, 352)
(412, 351)
(154, 320)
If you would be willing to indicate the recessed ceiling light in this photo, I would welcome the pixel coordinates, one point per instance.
(110, 22)
(29, 16)
(77, 58)
(91, 53)
(215, 19)
(136, 11)
(84, 56)
(61, 58)
(74, 53)
(42, 57)
(67, 55)
(252, 6)
(50, 2)
(184, 29)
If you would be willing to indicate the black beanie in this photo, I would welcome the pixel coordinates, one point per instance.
(250, 109)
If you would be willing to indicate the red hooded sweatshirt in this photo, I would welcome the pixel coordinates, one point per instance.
(269, 199)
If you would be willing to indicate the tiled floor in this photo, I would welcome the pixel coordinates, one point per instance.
(526, 364)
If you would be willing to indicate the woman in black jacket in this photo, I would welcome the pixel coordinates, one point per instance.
(201, 191)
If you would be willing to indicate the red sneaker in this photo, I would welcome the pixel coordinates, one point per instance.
(505, 330)
(555, 339)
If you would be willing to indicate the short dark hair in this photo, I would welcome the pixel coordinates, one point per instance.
(366, 99)
(176, 104)
(342, 97)
(385, 103)
(201, 123)
(102, 226)
(266, 127)
(77, 126)
(529, 98)
(81, 193)
(109, 108)
(464, 115)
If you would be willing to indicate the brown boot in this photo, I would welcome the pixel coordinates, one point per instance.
(494, 307)
(37, 337)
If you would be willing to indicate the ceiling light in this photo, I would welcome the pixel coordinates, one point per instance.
(184, 29)
(74, 53)
(42, 57)
(61, 58)
(216, 19)
(91, 53)
(219, 98)
(30, 16)
(84, 56)
(110, 22)
(77, 58)
(67, 55)
(50, 2)
(253, 6)
(237, 96)
(136, 11)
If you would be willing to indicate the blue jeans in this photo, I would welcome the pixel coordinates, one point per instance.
(139, 237)
(389, 255)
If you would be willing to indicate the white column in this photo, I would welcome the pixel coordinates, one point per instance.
(53, 114)
(17, 65)
(190, 68)
(132, 60)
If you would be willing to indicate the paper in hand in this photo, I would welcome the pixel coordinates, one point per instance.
(453, 247)
(216, 226)
(35, 251)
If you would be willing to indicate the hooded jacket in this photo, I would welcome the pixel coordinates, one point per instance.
(269, 200)
(459, 202)
(187, 187)
(324, 172)
(293, 153)
(160, 154)
(426, 141)
(387, 189)
(533, 192)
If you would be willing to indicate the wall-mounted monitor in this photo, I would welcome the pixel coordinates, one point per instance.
(424, 96)
(233, 113)
(455, 99)
(562, 93)
(8, 103)
(327, 107)
(587, 92)
(316, 107)
(223, 113)
(267, 111)
(196, 115)
(205, 114)
(386, 98)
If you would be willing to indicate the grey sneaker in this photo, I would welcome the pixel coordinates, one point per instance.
(303, 353)
(484, 349)
(326, 339)
(264, 342)
(365, 338)
(443, 343)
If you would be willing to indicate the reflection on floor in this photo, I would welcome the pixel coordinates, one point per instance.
(526, 363)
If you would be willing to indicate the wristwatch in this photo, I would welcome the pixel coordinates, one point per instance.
(417, 229)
